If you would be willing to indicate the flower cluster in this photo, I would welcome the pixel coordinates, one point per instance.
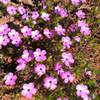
(35, 38)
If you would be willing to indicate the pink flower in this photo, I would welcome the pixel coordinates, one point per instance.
(82, 91)
(4, 40)
(84, 27)
(60, 30)
(77, 38)
(59, 98)
(67, 77)
(26, 31)
(67, 59)
(40, 55)
(48, 33)
(21, 10)
(75, 2)
(13, 34)
(28, 90)
(80, 14)
(66, 42)
(61, 11)
(21, 67)
(35, 15)
(11, 10)
(45, 16)
(10, 79)
(50, 83)
(58, 68)
(36, 35)
(40, 69)
(27, 55)
(5, 1)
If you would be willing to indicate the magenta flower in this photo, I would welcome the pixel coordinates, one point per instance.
(21, 10)
(82, 91)
(13, 34)
(21, 67)
(67, 77)
(60, 30)
(11, 10)
(77, 38)
(83, 1)
(84, 27)
(48, 33)
(73, 27)
(61, 11)
(40, 69)
(21, 60)
(66, 42)
(59, 98)
(29, 90)
(82, 23)
(27, 55)
(40, 55)
(58, 68)
(45, 16)
(50, 83)
(85, 30)
(4, 40)
(35, 15)
(75, 2)
(10, 79)
(25, 16)
(4, 29)
(36, 35)
(16, 41)
(67, 59)
(80, 14)
(5, 1)
(26, 31)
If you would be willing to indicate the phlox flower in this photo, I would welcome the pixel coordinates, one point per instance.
(48, 33)
(11, 10)
(59, 98)
(26, 31)
(77, 38)
(27, 55)
(10, 79)
(61, 11)
(36, 35)
(75, 2)
(5, 1)
(67, 59)
(58, 68)
(60, 30)
(45, 16)
(67, 77)
(21, 10)
(73, 27)
(29, 90)
(84, 27)
(66, 42)
(40, 55)
(21, 67)
(82, 91)
(40, 69)
(4, 40)
(35, 15)
(80, 14)
(50, 83)
(4, 29)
